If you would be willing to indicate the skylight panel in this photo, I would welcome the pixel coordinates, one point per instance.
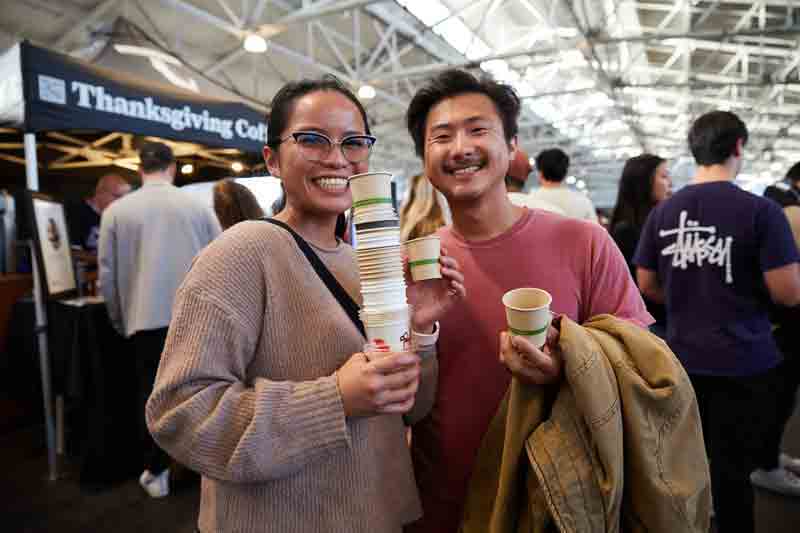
(430, 12)
(478, 49)
(455, 32)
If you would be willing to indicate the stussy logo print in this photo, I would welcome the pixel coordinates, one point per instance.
(696, 244)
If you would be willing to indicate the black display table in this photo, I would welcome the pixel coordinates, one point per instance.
(94, 369)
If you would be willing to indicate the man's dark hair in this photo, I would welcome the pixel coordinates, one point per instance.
(793, 176)
(155, 157)
(713, 137)
(454, 83)
(553, 164)
(283, 103)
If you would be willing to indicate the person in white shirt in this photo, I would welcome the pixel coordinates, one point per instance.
(552, 166)
(518, 171)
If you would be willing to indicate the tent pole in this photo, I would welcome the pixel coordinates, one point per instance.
(32, 176)
(31, 162)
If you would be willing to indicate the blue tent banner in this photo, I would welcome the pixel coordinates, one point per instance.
(63, 93)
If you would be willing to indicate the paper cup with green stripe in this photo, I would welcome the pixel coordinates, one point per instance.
(373, 189)
(423, 257)
(528, 313)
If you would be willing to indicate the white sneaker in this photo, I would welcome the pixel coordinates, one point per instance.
(778, 480)
(790, 463)
(155, 486)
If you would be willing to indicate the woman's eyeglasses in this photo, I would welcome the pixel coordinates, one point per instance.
(316, 146)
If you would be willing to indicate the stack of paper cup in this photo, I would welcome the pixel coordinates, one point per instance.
(385, 311)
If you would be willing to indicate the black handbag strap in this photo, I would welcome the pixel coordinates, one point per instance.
(342, 296)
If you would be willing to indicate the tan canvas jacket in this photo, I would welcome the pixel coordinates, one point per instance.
(617, 446)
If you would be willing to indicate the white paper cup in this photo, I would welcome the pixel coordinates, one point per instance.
(383, 284)
(379, 299)
(380, 271)
(385, 257)
(423, 257)
(392, 333)
(387, 272)
(528, 313)
(381, 267)
(383, 315)
(366, 243)
(374, 351)
(371, 189)
(379, 250)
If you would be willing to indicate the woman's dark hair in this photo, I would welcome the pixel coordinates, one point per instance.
(280, 202)
(713, 137)
(793, 176)
(635, 194)
(553, 164)
(283, 103)
(233, 203)
(453, 83)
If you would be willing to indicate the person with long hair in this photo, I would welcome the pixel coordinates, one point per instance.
(264, 387)
(234, 203)
(645, 182)
(422, 213)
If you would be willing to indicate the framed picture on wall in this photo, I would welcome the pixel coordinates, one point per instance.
(52, 246)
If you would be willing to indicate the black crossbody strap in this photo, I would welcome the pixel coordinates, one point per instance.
(330, 281)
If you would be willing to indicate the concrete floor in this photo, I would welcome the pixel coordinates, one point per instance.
(776, 513)
(31, 504)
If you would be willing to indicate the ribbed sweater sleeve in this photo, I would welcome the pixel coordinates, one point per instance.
(204, 413)
(208, 409)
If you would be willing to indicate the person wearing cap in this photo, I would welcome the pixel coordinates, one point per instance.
(148, 240)
(518, 171)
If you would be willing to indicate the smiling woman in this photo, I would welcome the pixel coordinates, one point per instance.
(262, 387)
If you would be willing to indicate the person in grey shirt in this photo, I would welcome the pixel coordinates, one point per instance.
(148, 240)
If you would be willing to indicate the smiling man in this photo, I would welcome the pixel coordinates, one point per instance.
(465, 131)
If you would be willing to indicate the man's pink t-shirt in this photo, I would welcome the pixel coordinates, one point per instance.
(578, 263)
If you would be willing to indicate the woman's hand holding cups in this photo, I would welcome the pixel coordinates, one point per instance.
(379, 383)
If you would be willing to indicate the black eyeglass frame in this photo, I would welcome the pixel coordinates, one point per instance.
(331, 143)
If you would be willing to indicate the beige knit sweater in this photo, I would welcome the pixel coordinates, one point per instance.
(246, 395)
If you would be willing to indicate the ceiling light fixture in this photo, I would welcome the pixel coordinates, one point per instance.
(255, 44)
(237, 167)
(367, 92)
(188, 168)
